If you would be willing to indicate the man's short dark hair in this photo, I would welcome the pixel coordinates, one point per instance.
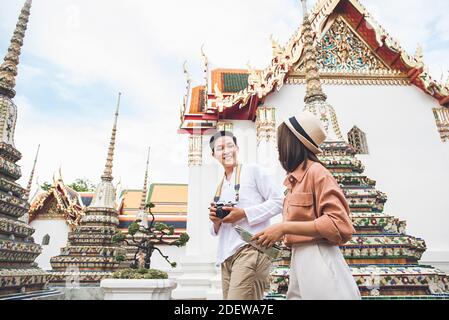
(220, 134)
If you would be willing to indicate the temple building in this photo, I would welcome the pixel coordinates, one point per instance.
(90, 254)
(57, 212)
(19, 274)
(53, 214)
(389, 110)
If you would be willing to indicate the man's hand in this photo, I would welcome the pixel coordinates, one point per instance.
(235, 214)
(270, 235)
(213, 217)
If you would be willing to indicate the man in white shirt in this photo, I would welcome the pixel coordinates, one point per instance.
(244, 269)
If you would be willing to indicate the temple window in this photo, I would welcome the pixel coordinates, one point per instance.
(46, 240)
(442, 121)
(357, 139)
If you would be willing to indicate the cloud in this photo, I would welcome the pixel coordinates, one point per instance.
(79, 54)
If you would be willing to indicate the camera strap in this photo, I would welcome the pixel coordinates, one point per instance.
(236, 185)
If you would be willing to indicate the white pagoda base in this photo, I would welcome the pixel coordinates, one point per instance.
(195, 282)
(215, 292)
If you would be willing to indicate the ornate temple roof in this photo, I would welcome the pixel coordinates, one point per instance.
(229, 81)
(385, 62)
(60, 202)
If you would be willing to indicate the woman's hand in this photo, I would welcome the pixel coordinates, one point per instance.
(270, 235)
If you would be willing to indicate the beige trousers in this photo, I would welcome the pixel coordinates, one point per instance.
(245, 275)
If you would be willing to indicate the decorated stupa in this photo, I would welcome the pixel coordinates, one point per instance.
(18, 272)
(90, 254)
(142, 215)
(383, 258)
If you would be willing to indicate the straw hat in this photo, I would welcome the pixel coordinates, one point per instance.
(308, 129)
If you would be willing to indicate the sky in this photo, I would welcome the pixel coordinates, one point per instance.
(79, 54)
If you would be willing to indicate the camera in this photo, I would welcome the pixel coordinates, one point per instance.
(220, 212)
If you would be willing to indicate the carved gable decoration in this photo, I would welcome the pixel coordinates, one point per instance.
(345, 58)
(341, 49)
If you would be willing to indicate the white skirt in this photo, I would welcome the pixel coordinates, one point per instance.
(320, 272)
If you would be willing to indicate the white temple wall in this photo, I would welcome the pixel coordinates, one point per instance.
(58, 231)
(407, 158)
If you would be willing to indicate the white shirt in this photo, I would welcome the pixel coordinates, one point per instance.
(259, 197)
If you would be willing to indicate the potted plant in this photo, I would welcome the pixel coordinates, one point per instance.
(139, 281)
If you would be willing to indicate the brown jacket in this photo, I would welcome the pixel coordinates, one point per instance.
(314, 195)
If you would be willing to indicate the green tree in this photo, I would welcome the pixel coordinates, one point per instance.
(82, 185)
(153, 235)
(46, 186)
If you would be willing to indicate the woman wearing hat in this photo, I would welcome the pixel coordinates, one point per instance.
(315, 216)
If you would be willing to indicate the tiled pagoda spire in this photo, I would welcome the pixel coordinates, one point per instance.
(90, 254)
(383, 258)
(142, 215)
(8, 69)
(18, 271)
(313, 83)
(105, 192)
(30, 181)
(316, 99)
(26, 217)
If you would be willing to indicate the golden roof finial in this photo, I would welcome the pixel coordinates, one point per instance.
(107, 175)
(60, 173)
(276, 48)
(8, 69)
(419, 54)
(30, 182)
(206, 78)
(143, 200)
(313, 83)
(186, 96)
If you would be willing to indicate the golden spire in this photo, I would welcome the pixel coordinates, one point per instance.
(107, 175)
(30, 182)
(8, 69)
(143, 200)
(313, 83)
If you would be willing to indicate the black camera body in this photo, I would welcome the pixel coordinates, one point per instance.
(220, 212)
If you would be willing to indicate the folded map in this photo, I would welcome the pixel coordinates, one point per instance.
(274, 252)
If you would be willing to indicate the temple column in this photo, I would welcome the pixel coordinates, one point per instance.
(198, 265)
(267, 153)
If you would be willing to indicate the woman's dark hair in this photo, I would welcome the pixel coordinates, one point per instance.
(220, 134)
(292, 152)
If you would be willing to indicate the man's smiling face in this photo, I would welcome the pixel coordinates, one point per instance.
(225, 151)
